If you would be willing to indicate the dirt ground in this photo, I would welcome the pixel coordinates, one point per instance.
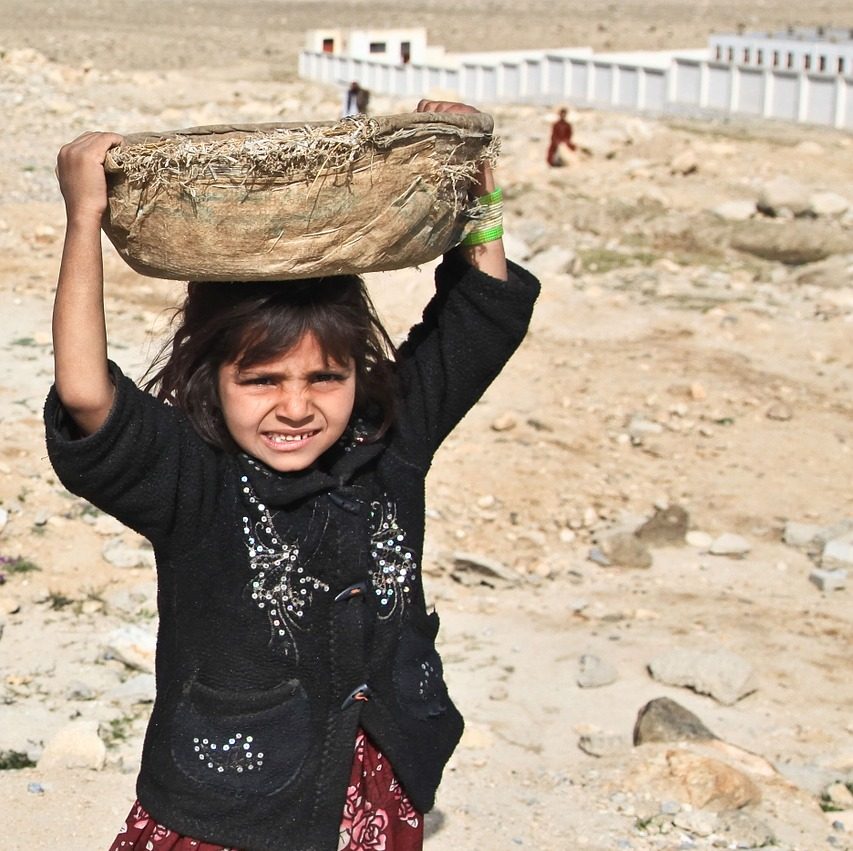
(665, 366)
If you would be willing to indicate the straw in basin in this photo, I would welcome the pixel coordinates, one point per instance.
(275, 202)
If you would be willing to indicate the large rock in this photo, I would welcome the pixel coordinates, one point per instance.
(792, 242)
(721, 674)
(784, 195)
(77, 745)
(664, 720)
(711, 784)
(132, 645)
(668, 527)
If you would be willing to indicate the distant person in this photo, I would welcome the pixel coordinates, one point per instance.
(561, 134)
(351, 100)
(356, 100)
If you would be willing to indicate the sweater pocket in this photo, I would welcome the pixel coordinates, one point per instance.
(247, 742)
(418, 673)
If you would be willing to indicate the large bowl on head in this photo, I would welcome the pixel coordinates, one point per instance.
(285, 201)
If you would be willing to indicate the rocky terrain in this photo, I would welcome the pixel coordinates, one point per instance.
(639, 541)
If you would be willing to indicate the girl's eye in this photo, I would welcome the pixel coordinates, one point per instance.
(327, 377)
(256, 380)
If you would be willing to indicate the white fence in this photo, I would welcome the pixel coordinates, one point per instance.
(660, 83)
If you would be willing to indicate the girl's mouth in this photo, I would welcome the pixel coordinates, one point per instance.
(289, 440)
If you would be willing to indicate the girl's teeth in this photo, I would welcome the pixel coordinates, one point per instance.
(288, 438)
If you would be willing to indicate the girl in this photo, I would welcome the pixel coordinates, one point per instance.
(279, 474)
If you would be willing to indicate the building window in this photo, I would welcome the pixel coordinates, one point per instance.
(840, 64)
(328, 45)
(719, 53)
(377, 47)
(746, 56)
(775, 58)
(807, 62)
(790, 60)
(405, 51)
(759, 57)
(821, 63)
(731, 54)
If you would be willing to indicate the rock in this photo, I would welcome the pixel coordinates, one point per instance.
(829, 580)
(77, 745)
(604, 744)
(515, 247)
(721, 674)
(121, 554)
(553, 261)
(483, 570)
(697, 822)
(625, 549)
(664, 720)
(828, 204)
(138, 689)
(834, 273)
(743, 830)
(668, 527)
(839, 795)
(133, 646)
(783, 194)
(735, 211)
(729, 544)
(105, 524)
(505, 422)
(4, 518)
(779, 411)
(710, 784)
(594, 672)
(801, 534)
(698, 539)
(794, 243)
(838, 553)
(9, 605)
(639, 427)
(684, 163)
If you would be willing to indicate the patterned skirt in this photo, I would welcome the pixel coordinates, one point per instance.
(378, 815)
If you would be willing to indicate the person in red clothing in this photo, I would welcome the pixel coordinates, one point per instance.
(561, 134)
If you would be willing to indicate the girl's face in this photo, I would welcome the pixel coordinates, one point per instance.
(288, 411)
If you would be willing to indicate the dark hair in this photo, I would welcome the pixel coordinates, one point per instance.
(250, 323)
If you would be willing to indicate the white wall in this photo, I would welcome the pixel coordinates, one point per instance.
(660, 83)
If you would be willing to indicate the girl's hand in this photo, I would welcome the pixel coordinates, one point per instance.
(443, 106)
(488, 257)
(485, 182)
(82, 181)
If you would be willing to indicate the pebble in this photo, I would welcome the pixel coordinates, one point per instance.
(838, 553)
(505, 422)
(779, 411)
(698, 539)
(594, 672)
(829, 580)
(729, 544)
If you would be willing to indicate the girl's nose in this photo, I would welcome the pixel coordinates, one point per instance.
(292, 404)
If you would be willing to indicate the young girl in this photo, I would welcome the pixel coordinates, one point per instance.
(279, 474)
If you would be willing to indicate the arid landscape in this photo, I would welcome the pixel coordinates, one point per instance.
(652, 502)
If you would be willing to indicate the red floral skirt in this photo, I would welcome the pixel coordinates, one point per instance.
(378, 816)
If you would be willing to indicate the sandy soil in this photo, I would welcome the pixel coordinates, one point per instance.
(663, 367)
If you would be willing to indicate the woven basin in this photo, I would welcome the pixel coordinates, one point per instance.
(277, 202)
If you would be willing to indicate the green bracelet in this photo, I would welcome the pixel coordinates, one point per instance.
(478, 237)
(494, 197)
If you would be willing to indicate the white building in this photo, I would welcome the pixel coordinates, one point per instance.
(816, 50)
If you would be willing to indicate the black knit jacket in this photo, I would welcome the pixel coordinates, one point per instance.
(280, 596)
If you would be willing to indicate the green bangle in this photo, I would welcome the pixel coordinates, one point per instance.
(494, 197)
(478, 237)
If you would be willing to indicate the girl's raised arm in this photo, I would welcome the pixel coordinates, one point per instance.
(79, 329)
(488, 257)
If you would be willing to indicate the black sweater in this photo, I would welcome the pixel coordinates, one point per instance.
(260, 642)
